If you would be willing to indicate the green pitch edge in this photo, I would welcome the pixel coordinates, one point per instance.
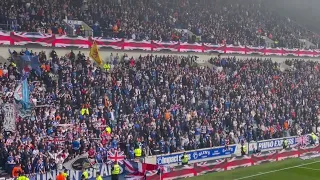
(292, 169)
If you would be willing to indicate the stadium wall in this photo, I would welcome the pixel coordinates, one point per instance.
(225, 164)
(39, 41)
(200, 168)
(105, 53)
(215, 153)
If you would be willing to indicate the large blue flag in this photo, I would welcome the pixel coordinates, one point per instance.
(29, 63)
(35, 65)
(25, 94)
(24, 66)
(26, 58)
(26, 63)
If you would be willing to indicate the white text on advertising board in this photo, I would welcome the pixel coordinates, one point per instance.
(204, 153)
(274, 143)
(171, 159)
(105, 171)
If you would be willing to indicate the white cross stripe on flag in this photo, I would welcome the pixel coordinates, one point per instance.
(303, 140)
(9, 141)
(134, 177)
(202, 163)
(165, 169)
(18, 93)
(115, 156)
(59, 141)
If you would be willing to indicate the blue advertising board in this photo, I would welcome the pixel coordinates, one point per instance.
(201, 154)
(104, 169)
(275, 143)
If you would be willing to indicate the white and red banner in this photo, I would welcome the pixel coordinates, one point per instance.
(48, 40)
(9, 120)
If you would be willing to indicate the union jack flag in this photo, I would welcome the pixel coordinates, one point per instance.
(137, 170)
(133, 168)
(32, 34)
(303, 140)
(115, 156)
(18, 93)
(165, 169)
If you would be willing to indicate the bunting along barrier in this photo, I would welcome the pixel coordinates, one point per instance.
(264, 157)
(309, 152)
(199, 168)
(195, 169)
(233, 162)
(48, 40)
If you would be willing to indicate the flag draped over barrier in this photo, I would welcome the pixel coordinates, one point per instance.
(49, 40)
(137, 170)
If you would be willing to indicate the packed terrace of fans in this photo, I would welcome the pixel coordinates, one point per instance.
(238, 22)
(164, 103)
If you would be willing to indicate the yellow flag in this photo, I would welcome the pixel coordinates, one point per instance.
(94, 53)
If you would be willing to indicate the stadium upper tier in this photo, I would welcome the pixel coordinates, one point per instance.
(237, 22)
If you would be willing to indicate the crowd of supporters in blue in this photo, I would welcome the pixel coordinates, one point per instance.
(163, 103)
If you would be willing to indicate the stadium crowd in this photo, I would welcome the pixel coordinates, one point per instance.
(238, 22)
(162, 103)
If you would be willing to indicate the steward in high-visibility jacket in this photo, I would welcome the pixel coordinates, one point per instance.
(82, 29)
(65, 174)
(85, 174)
(115, 171)
(106, 67)
(13, 64)
(22, 177)
(243, 150)
(285, 143)
(185, 159)
(137, 152)
(108, 129)
(84, 111)
(98, 176)
(313, 138)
